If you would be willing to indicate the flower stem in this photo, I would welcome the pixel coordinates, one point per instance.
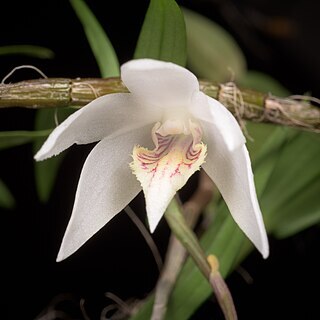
(186, 236)
(208, 266)
(295, 111)
(221, 290)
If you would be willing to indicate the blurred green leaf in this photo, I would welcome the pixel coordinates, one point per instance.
(266, 158)
(163, 34)
(259, 134)
(9, 139)
(262, 82)
(99, 42)
(298, 164)
(6, 198)
(290, 196)
(301, 212)
(212, 52)
(27, 50)
(46, 171)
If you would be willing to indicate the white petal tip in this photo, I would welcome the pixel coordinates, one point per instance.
(43, 153)
(265, 252)
(62, 255)
(263, 246)
(58, 259)
(152, 228)
(38, 157)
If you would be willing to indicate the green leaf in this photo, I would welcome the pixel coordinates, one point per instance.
(268, 156)
(298, 164)
(6, 198)
(46, 171)
(163, 34)
(259, 134)
(212, 52)
(262, 82)
(100, 44)
(9, 139)
(27, 50)
(290, 197)
(301, 212)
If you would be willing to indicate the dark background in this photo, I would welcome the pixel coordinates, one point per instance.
(277, 37)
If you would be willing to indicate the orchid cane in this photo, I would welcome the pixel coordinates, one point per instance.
(188, 129)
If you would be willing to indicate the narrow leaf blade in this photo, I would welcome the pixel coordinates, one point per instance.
(301, 212)
(163, 34)
(27, 50)
(9, 139)
(100, 44)
(291, 195)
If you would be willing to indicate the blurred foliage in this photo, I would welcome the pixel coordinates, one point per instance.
(27, 50)
(163, 34)
(262, 82)
(9, 139)
(212, 52)
(6, 198)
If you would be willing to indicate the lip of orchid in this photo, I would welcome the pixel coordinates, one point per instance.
(177, 154)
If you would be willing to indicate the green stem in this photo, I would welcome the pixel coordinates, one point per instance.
(245, 104)
(186, 236)
(208, 266)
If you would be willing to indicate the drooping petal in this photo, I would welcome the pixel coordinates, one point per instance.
(158, 83)
(166, 169)
(231, 172)
(213, 112)
(105, 187)
(109, 114)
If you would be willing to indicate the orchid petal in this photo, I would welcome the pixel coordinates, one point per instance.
(158, 83)
(166, 169)
(109, 114)
(231, 172)
(213, 112)
(106, 186)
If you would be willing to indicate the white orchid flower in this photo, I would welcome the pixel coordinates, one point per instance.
(188, 130)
